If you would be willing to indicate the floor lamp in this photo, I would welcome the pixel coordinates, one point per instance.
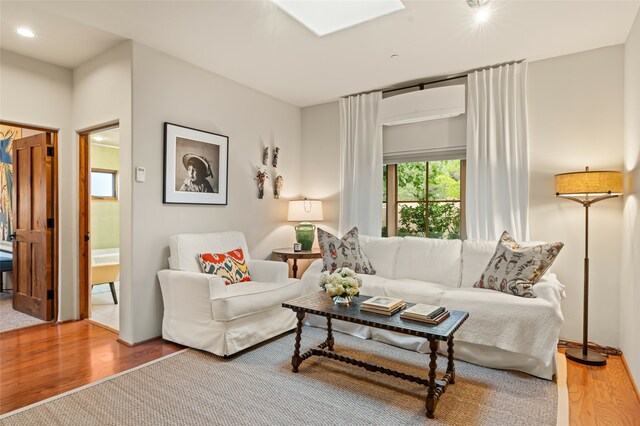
(587, 188)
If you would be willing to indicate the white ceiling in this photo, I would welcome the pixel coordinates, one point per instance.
(110, 137)
(59, 40)
(257, 44)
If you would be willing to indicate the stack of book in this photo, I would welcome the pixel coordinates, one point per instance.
(383, 305)
(429, 314)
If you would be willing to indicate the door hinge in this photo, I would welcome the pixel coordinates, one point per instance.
(49, 294)
(49, 151)
(50, 223)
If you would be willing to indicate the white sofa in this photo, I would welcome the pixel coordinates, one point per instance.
(202, 312)
(502, 331)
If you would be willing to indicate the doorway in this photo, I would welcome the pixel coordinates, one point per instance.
(100, 226)
(28, 225)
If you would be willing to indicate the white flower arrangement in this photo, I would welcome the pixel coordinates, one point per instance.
(343, 282)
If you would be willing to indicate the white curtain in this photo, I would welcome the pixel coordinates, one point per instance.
(360, 164)
(497, 184)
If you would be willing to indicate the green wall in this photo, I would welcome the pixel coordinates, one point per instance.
(105, 214)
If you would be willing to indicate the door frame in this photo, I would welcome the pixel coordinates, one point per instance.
(84, 215)
(56, 238)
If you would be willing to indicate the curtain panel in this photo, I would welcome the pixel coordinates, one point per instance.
(360, 164)
(497, 197)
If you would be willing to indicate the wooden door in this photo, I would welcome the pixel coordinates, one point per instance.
(84, 186)
(33, 200)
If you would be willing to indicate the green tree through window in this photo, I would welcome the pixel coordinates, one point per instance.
(427, 199)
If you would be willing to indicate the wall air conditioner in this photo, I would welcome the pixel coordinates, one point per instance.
(422, 105)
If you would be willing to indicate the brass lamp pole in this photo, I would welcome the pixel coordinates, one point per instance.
(587, 188)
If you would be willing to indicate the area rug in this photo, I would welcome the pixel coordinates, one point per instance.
(259, 388)
(11, 319)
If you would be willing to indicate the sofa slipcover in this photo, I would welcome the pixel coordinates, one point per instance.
(503, 331)
(202, 312)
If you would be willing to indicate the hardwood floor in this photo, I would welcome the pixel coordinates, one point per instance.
(602, 395)
(44, 361)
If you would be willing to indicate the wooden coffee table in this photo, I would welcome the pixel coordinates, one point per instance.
(321, 304)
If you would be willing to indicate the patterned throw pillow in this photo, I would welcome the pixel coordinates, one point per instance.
(343, 252)
(514, 269)
(231, 266)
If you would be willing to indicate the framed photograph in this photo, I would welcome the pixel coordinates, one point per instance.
(195, 166)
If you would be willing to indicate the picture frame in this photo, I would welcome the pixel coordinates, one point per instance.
(196, 166)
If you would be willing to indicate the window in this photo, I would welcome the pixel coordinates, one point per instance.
(424, 199)
(104, 184)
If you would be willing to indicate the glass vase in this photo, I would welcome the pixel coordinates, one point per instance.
(339, 300)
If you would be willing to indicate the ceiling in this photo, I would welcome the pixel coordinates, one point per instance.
(110, 137)
(258, 45)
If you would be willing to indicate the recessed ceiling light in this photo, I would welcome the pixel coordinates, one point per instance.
(481, 10)
(482, 14)
(325, 17)
(25, 32)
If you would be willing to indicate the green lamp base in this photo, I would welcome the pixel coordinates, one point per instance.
(305, 234)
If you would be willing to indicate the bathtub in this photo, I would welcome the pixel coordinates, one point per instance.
(111, 255)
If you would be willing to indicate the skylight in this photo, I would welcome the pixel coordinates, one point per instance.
(328, 16)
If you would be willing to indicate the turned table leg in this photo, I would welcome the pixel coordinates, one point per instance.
(295, 359)
(329, 335)
(451, 369)
(432, 399)
(295, 268)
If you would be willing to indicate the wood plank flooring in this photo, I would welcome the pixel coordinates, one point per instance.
(40, 362)
(43, 361)
(601, 395)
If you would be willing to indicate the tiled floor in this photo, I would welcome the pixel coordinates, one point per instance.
(103, 310)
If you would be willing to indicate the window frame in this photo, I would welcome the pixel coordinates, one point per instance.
(114, 174)
(392, 201)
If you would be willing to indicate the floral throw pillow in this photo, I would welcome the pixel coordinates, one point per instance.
(343, 252)
(514, 269)
(231, 266)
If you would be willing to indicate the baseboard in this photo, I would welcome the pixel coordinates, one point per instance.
(139, 343)
(633, 382)
(106, 327)
(69, 320)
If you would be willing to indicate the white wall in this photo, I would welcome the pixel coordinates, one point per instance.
(167, 89)
(102, 94)
(630, 284)
(321, 165)
(37, 93)
(576, 120)
(575, 113)
(321, 160)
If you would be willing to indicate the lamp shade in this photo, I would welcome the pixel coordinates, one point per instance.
(588, 183)
(305, 210)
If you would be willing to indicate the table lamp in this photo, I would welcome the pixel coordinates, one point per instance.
(587, 188)
(305, 211)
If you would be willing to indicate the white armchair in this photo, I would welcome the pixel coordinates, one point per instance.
(202, 312)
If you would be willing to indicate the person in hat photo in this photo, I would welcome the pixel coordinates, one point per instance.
(198, 170)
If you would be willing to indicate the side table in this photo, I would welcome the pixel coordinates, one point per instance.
(288, 253)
